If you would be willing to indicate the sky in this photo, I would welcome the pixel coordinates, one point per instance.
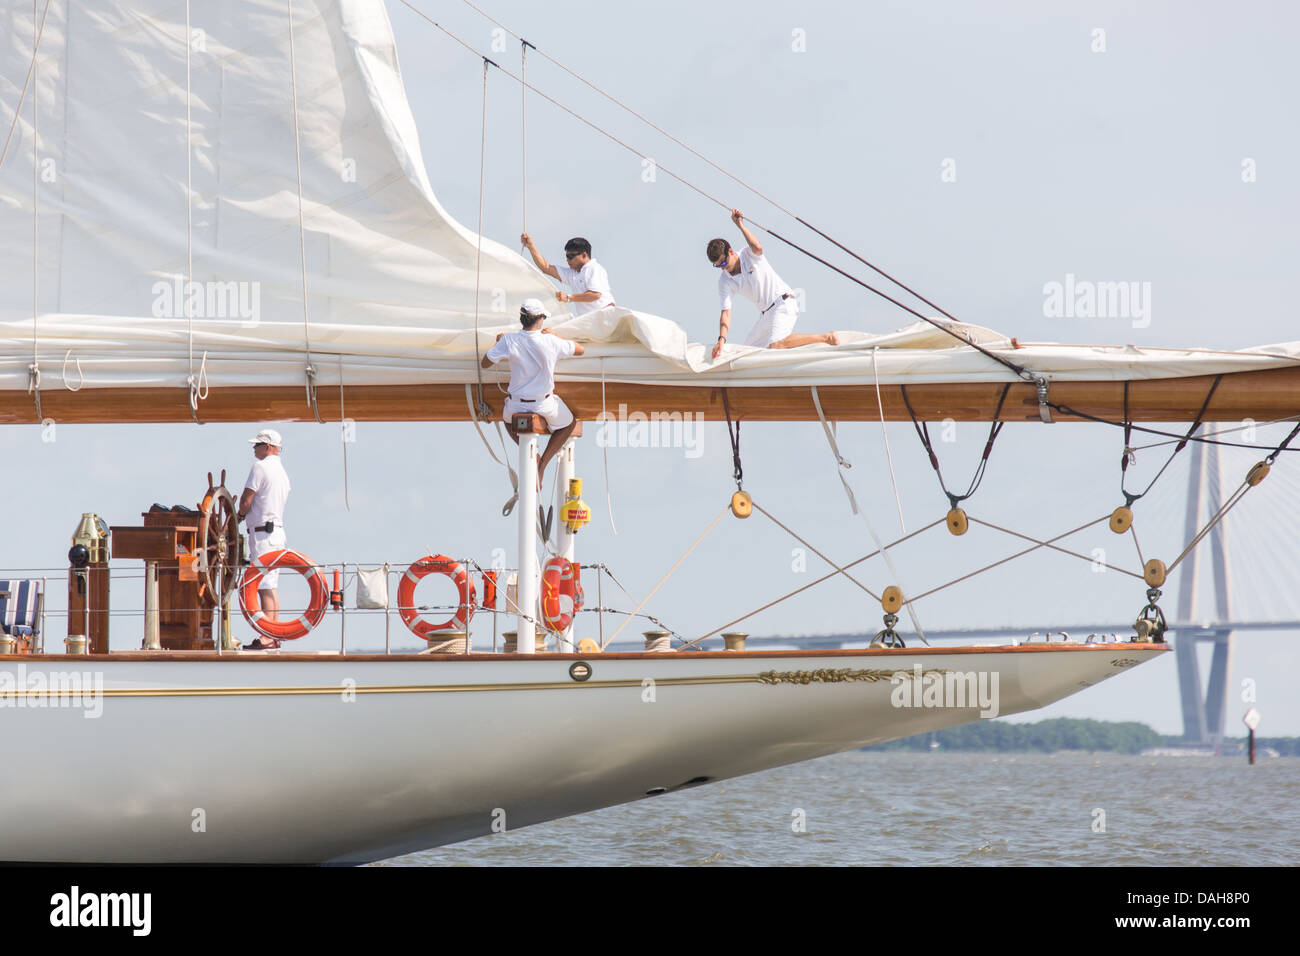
(980, 152)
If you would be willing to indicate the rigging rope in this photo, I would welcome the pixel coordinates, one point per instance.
(791, 533)
(604, 450)
(34, 370)
(988, 567)
(523, 131)
(884, 433)
(343, 436)
(841, 462)
(800, 590)
(1054, 547)
(189, 216)
(643, 601)
(1127, 457)
(738, 471)
(22, 97)
(302, 231)
(1204, 440)
(923, 432)
(482, 410)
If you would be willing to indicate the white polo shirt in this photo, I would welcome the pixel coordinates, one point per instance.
(757, 282)
(532, 355)
(270, 484)
(590, 278)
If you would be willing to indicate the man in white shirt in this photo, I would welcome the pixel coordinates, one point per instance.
(748, 273)
(532, 354)
(586, 278)
(262, 506)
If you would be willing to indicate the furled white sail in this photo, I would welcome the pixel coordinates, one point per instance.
(149, 225)
(387, 269)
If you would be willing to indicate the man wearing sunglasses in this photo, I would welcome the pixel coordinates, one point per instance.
(748, 273)
(262, 506)
(585, 277)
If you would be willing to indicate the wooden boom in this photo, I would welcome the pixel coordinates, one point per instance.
(1263, 395)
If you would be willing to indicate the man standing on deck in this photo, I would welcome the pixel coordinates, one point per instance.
(532, 353)
(586, 278)
(749, 273)
(262, 504)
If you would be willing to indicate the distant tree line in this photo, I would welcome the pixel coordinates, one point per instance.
(1064, 733)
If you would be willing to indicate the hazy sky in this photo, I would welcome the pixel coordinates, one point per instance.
(977, 151)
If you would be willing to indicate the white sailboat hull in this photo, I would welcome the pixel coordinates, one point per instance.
(300, 759)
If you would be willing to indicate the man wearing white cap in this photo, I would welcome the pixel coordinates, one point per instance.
(532, 354)
(262, 506)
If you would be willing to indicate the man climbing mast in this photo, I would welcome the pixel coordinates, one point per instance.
(532, 353)
(749, 273)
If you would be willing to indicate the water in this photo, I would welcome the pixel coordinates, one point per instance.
(935, 809)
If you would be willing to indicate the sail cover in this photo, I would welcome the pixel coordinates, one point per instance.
(150, 226)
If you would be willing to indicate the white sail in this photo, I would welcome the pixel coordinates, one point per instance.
(387, 269)
(132, 172)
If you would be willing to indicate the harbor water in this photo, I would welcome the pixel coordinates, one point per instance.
(935, 808)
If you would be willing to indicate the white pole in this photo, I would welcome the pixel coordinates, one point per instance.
(563, 539)
(527, 511)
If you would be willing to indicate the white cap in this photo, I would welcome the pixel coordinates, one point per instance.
(267, 436)
(534, 307)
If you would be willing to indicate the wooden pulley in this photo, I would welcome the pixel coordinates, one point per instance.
(957, 523)
(742, 506)
(1153, 572)
(1258, 472)
(892, 599)
(1121, 519)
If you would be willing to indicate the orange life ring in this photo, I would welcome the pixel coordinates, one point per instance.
(561, 586)
(431, 564)
(252, 607)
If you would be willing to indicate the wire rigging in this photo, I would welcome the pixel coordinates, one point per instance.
(923, 432)
(483, 411)
(1128, 457)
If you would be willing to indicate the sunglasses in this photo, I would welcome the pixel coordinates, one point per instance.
(570, 256)
(723, 263)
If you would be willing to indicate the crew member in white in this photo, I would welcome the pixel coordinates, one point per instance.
(532, 354)
(749, 273)
(262, 504)
(586, 278)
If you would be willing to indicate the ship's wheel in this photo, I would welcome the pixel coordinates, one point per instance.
(218, 556)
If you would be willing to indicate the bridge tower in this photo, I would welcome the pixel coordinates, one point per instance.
(1204, 715)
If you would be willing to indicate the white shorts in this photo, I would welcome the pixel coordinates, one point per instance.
(551, 408)
(259, 543)
(774, 324)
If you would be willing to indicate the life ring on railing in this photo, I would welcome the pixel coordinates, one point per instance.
(316, 604)
(489, 590)
(435, 564)
(562, 596)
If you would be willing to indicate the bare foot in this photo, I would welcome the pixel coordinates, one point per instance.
(832, 338)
